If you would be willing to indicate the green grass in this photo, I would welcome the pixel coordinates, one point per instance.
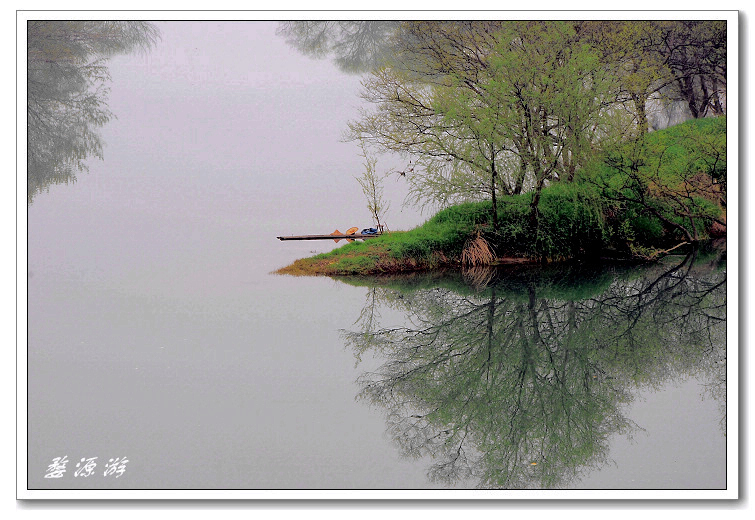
(437, 243)
(566, 229)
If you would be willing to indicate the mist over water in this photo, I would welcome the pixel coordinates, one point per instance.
(156, 331)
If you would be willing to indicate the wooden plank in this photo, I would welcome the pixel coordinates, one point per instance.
(326, 237)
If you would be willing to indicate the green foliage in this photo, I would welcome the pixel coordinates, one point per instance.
(646, 229)
(571, 223)
(446, 233)
(467, 215)
(667, 186)
(696, 146)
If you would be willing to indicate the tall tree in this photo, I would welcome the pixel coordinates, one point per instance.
(666, 60)
(552, 95)
(471, 100)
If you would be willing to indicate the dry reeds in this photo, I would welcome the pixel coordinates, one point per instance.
(477, 251)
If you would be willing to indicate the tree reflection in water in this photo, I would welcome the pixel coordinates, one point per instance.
(67, 92)
(517, 378)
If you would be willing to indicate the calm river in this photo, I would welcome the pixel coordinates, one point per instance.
(158, 338)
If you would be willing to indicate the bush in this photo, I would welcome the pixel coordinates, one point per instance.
(571, 223)
(667, 187)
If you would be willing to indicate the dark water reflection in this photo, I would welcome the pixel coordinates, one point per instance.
(520, 378)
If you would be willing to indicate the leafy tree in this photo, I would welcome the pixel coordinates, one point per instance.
(553, 94)
(408, 120)
(628, 50)
(468, 100)
(664, 60)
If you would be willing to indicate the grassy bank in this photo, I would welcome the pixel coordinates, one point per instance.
(569, 225)
(668, 195)
(437, 243)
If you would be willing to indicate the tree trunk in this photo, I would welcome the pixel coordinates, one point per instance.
(715, 99)
(687, 88)
(642, 117)
(494, 210)
(521, 176)
(533, 207)
(534, 211)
